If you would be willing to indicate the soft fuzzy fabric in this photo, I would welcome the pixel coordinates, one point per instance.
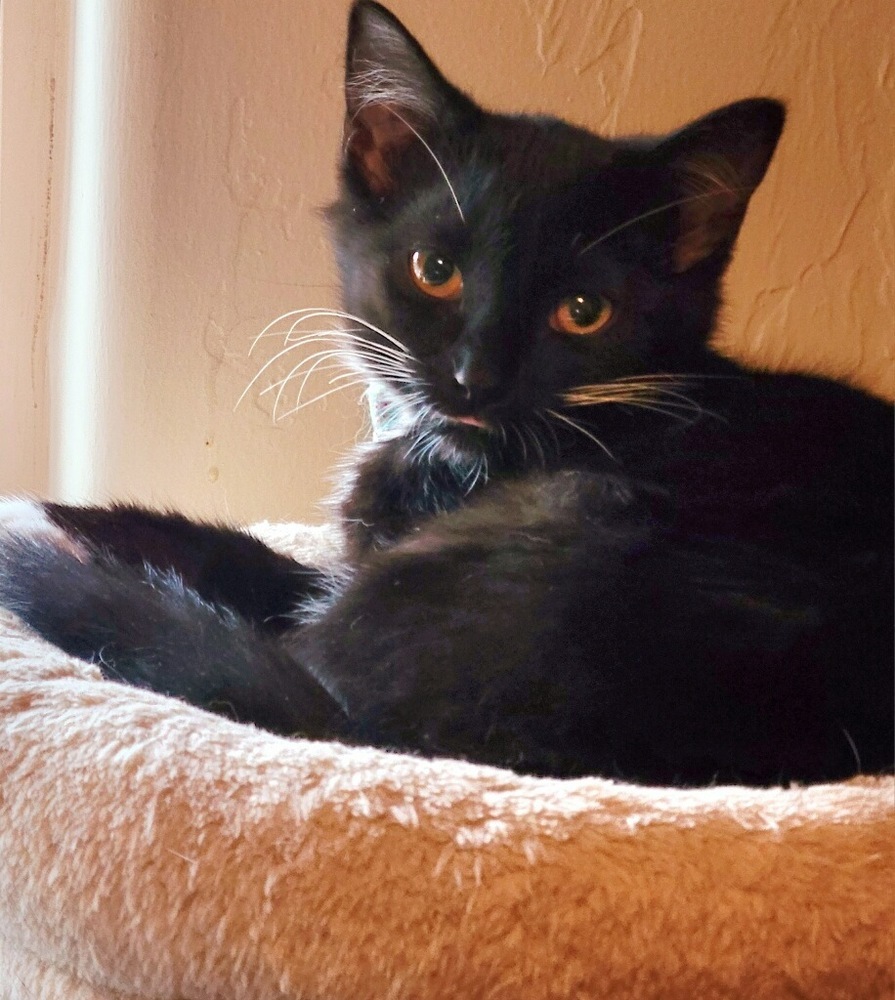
(151, 850)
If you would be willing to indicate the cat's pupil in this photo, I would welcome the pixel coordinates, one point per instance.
(436, 269)
(583, 311)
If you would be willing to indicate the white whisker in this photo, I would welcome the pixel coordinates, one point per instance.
(321, 355)
(647, 392)
(265, 332)
(340, 314)
(293, 373)
(287, 337)
(358, 346)
(384, 373)
(540, 415)
(263, 369)
(656, 211)
(362, 357)
(324, 356)
(854, 748)
(660, 409)
(322, 395)
(536, 441)
(521, 437)
(581, 430)
(478, 471)
(431, 152)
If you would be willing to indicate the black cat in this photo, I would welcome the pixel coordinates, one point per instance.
(590, 544)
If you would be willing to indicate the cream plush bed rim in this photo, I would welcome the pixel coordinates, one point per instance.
(150, 850)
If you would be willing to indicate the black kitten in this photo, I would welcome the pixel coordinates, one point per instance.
(587, 543)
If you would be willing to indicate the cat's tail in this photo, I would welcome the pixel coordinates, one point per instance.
(146, 627)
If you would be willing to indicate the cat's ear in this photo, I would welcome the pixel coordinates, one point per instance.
(716, 163)
(394, 94)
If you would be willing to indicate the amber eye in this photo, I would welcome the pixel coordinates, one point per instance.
(581, 314)
(436, 274)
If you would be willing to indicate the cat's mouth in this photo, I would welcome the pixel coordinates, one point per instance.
(470, 421)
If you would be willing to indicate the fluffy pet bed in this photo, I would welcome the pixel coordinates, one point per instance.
(151, 850)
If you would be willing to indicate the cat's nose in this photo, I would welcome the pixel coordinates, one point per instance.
(474, 376)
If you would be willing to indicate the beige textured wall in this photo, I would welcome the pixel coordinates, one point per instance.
(222, 139)
(32, 43)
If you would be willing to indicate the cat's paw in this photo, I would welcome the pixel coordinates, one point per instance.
(24, 520)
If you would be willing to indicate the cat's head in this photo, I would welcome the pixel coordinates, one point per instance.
(513, 263)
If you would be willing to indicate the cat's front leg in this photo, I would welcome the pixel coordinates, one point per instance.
(389, 492)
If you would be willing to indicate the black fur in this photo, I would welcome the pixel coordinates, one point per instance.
(614, 553)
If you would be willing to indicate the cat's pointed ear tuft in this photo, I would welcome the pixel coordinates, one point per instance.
(717, 162)
(394, 94)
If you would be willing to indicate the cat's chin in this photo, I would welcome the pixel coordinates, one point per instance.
(464, 435)
(459, 443)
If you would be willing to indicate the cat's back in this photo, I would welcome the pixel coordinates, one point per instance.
(830, 442)
(796, 460)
